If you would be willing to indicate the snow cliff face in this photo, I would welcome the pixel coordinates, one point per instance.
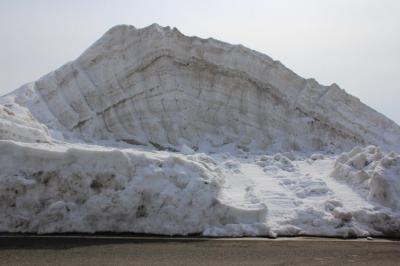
(155, 85)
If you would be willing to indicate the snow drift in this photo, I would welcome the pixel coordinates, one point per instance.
(151, 131)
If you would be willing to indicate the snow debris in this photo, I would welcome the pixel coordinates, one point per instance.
(373, 173)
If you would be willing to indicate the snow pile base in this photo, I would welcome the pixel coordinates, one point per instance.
(48, 188)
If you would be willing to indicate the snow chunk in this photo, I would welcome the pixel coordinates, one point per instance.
(187, 150)
(17, 123)
(317, 156)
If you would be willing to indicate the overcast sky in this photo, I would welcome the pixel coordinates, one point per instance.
(354, 43)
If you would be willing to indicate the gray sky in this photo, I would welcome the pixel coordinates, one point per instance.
(354, 43)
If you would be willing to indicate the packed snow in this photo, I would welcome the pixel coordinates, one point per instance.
(150, 131)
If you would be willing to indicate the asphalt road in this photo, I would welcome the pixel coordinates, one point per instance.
(114, 250)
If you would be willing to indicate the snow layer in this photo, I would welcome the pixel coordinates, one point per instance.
(151, 131)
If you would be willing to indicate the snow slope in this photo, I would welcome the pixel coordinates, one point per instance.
(151, 131)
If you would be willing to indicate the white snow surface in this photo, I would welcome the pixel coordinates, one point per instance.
(151, 131)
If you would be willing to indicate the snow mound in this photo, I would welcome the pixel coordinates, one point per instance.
(373, 173)
(157, 86)
(48, 189)
(151, 131)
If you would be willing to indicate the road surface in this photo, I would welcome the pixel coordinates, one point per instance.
(126, 250)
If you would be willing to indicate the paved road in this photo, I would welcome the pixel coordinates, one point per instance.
(112, 250)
